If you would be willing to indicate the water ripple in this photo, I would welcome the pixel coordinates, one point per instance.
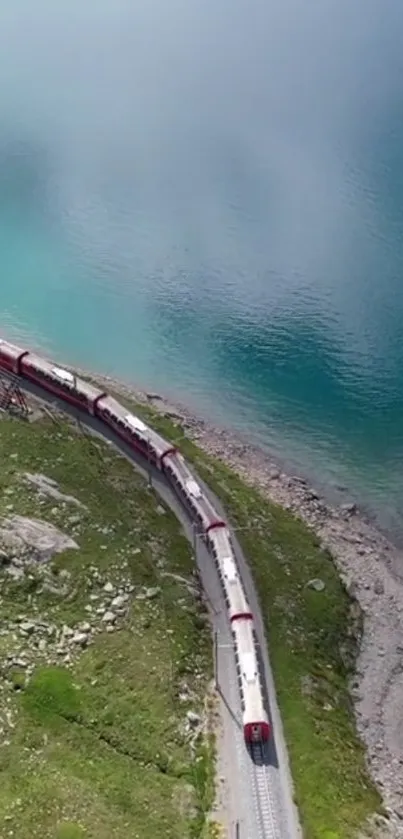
(217, 212)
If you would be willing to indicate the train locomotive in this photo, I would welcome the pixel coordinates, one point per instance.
(209, 525)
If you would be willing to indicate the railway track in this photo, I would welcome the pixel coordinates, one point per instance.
(264, 797)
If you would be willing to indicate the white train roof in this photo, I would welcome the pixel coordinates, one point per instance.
(204, 506)
(243, 631)
(235, 594)
(253, 706)
(136, 423)
(193, 488)
(249, 667)
(113, 406)
(248, 673)
(222, 542)
(64, 375)
(229, 569)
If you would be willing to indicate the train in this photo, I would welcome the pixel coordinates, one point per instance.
(209, 524)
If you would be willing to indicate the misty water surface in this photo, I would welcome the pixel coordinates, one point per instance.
(207, 198)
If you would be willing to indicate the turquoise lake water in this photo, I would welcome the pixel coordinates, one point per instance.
(207, 199)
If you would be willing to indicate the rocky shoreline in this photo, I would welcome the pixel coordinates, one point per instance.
(370, 566)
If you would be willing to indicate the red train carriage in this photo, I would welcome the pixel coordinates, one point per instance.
(133, 430)
(254, 717)
(235, 598)
(186, 487)
(60, 382)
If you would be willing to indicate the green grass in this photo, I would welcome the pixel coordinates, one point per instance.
(95, 746)
(312, 639)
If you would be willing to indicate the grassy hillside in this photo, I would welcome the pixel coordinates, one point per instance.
(103, 652)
